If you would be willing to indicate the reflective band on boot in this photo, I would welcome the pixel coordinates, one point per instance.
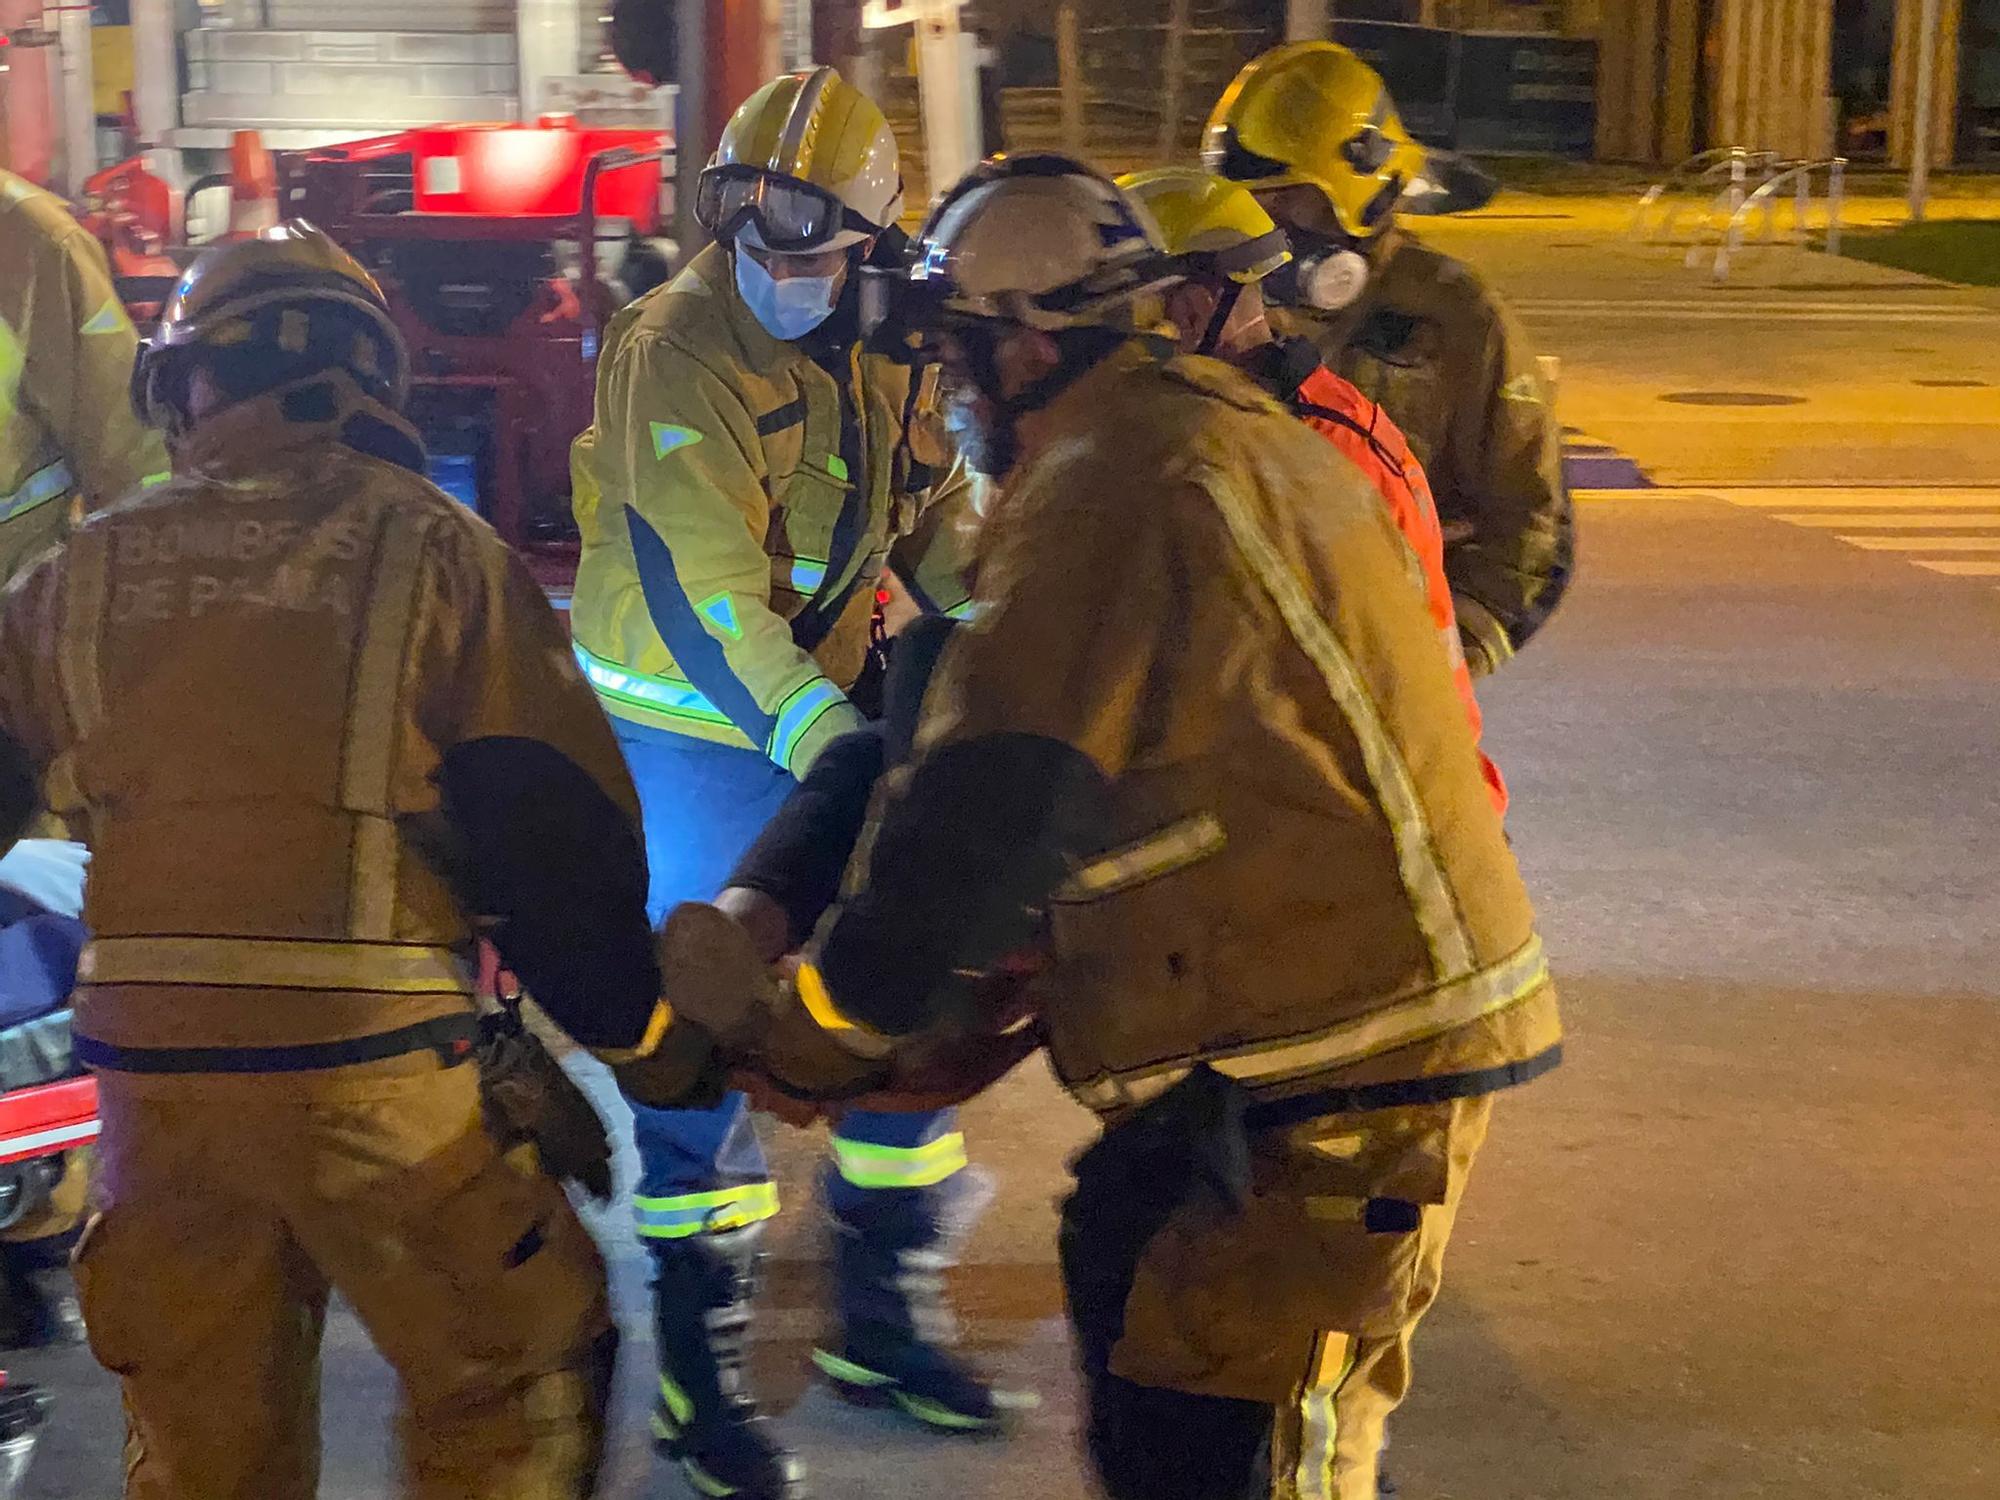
(870, 1166)
(705, 1213)
(967, 1404)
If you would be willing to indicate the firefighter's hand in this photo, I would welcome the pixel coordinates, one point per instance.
(768, 1097)
(921, 1078)
(937, 1075)
(683, 1072)
(757, 914)
(715, 977)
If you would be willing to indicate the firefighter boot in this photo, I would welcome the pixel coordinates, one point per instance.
(890, 1253)
(706, 1419)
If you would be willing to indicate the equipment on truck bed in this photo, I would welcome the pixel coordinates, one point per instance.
(503, 250)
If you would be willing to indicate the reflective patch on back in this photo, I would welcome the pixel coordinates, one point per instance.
(1522, 388)
(667, 438)
(719, 610)
(107, 321)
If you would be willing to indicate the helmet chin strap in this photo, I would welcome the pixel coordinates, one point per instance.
(1218, 323)
(982, 348)
(982, 356)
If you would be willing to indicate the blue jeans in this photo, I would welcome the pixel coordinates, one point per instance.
(704, 1169)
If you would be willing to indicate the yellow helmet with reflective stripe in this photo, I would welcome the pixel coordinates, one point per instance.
(810, 161)
(1210, 223)
(1313, 113)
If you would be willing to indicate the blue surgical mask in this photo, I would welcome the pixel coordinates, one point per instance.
(788, 309)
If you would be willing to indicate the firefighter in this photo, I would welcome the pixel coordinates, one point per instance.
(68, 439)
(1227, 247)
(67, 430)
(1311, 129)
(314, 718)
(750, 470)
(1202, 736)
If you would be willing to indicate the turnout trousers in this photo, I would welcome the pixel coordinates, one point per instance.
(1159, 1421)
(229, 1208)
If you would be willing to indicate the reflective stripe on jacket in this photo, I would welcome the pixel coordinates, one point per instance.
(67, 427)
(1372, 443)
(1432, 345)
(738, 495)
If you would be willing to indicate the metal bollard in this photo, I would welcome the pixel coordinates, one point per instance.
(1802, 207)
(1732, 241)
(1836, 191)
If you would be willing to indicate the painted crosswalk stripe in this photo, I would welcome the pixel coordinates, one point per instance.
(1922, 527)
(1888, 520)
(1828, 498)
(1961, 567)
(1925, 543)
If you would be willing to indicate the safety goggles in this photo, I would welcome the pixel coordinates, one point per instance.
(790, 216)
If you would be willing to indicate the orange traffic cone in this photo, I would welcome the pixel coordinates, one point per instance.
(253, 185)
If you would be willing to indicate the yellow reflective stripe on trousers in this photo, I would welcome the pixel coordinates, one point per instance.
(374, 717)
(1413, 1018)
(688, 1214)
(1319, 1418)
(275, 963)
(1416, 857)
(1174, 847)
(39, 488)
(870, 1166)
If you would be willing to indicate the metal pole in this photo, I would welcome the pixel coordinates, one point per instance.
(79, 94)
(691, 125)
(1306, 20)
(548, 43)
(1920, 124)
(1836, 193)
(1176, 70)
(1069, 70)
(951, 113)
(156, 89)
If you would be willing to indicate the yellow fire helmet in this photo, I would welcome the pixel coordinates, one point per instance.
(1210, 224)
(1313, 113)
(807, 163)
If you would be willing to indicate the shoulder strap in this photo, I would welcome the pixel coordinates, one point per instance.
(1311, 409)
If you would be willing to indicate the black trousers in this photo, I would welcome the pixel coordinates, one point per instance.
(1146, 1442)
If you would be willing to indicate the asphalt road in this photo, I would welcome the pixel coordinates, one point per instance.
(1742, 1244)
